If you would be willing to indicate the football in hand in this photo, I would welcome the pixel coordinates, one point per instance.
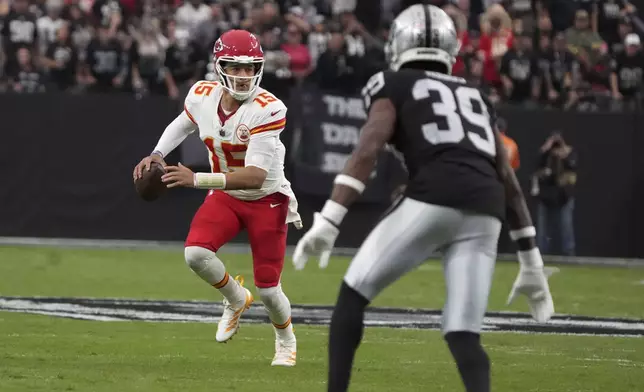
(150, 186)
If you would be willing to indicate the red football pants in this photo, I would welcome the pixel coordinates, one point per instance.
(221, 217)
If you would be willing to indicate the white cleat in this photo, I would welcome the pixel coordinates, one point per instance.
(285, 352)
(229, 323)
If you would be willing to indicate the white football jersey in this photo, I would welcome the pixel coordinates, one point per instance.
(261, 115)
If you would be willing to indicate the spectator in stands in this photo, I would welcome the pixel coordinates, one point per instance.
(182, 62)
(624, 28)
(343, 70)
(264, 17)
(336, 68)
(521, 10)
(496, 40)
(207, 32)
(598, 77)
(191, 14)
(354, 43)
(256, 21)
(109, 13)
(307, 11)
(298, 53)
(365, 45)
(519, 71)
(296, 16)
(544, 28)
(26, 78)
(627, 74)
(553, 185)
(277, 74)
(317, 39)
(611, 13)
(49, 24)
(61, 59)
(466, 48)
(104, 62)
(583, 42)
(147, 55)
(81, 33)
(544, 47)
(19, 30)
(559, 70)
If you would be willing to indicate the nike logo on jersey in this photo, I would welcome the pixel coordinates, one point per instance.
(275, 205)
(274, 113)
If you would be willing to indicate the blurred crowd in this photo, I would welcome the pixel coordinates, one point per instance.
(568, 54)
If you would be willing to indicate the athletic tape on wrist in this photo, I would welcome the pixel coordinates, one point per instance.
(525, 232)
(349, 181)
(210, 181)
(334, 212)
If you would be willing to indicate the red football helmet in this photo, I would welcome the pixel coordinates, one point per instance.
(241, 47)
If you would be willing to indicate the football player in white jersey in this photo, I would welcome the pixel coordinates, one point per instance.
(239, 123)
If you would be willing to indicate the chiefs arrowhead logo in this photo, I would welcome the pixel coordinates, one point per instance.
(219, 46)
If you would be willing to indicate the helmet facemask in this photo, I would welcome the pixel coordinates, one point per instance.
(240, 87)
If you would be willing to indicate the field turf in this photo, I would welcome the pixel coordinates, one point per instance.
(44, 353)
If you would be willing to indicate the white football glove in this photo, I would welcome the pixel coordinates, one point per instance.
(318, 240)
(533, 283)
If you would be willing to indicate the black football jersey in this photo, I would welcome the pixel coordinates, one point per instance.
(445, 133)
(629, 71)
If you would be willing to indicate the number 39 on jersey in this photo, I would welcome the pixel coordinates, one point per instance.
(441, 107)
(455, 106)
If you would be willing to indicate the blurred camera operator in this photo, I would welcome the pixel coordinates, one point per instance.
(553, 185)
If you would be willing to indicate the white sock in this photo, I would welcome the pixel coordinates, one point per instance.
(279, 310)
(208, 267)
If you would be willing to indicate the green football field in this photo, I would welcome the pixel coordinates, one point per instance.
(45, 352)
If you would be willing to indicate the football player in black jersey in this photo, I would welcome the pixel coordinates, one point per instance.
(460, 186)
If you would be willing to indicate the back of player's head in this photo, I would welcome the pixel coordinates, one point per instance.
(422, 36)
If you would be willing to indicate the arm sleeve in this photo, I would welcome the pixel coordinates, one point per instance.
(175, 133)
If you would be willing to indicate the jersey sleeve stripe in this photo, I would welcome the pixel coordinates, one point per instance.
(189, 115)
(279, 124)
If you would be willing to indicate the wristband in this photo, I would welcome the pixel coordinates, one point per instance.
(334, 212)
(210, 181)
(349, 181)
(525, 232)
(530, 258)
(157, 152)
